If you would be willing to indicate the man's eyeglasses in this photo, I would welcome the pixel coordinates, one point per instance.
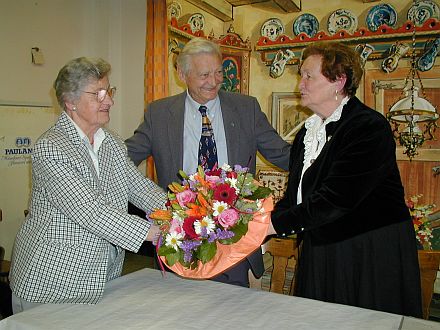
(100, 95)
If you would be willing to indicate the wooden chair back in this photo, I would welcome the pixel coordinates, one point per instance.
(281, 249)
(429, 264)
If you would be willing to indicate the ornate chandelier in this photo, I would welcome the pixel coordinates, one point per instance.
(412, 110)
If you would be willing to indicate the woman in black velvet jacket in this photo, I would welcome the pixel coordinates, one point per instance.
(345, 198)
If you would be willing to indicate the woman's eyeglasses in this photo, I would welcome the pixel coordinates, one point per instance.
(100, 95)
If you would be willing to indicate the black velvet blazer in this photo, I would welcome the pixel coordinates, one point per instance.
(352, 187)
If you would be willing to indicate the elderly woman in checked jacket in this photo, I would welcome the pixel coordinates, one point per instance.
(77, 230)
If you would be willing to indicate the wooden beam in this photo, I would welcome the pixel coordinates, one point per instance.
(221, 9)
(237, 3)
(289, 6)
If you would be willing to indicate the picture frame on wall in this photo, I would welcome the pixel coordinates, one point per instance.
(288, 116)
(235, 64)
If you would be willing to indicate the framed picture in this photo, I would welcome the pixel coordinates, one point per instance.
(235, 69)
(275, 180)
(288, 116)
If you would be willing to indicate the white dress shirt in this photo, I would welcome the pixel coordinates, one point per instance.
(193, 130)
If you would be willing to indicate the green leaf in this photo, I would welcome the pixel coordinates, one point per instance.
(176, 206)
(246, 206)
(206, 251)
(164, 250)
(183, 174)
(239, 230)
(260, 193)
(201, 172)
(170, 254)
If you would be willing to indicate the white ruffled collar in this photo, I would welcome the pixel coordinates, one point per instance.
(316, 136)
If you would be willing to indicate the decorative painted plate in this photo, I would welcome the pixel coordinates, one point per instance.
(306, 23)
(342, 19)
(174, 9)
(196, 22)
(272, 28)
(379, 15)
(423, 10)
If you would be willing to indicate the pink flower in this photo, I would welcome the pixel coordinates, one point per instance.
(185, 197)
(228, 218)
(212, 179)
(175, 226)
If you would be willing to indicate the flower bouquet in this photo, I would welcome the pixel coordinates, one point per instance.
(422, 225)
(213, 220)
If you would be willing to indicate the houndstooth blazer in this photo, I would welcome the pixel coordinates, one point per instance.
(62, 249)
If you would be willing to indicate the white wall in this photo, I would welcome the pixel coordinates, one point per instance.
(63, 30)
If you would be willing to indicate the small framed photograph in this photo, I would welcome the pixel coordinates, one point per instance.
(235, 69)
(275, 180)
(288, 116)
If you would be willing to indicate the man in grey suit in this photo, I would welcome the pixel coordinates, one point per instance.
(171, 131)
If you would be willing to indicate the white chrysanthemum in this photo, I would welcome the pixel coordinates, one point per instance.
(226, 167)
(178, 215)
(219, 207)
(232, 182)
(207, 223)
(174, 240)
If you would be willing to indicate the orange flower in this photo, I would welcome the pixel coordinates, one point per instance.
(161, 215)
(196, 211)
(203, 202)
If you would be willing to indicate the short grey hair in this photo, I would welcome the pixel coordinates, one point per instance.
(196, 46)
(76, 75)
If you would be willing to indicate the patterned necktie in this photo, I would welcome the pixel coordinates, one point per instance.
(207, 149)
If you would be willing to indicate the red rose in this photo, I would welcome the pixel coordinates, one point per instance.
(188, 228)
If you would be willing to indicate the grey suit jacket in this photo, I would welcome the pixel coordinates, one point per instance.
(62, 249)
(247, 131)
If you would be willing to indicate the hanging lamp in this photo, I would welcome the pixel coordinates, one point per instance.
(413, 110)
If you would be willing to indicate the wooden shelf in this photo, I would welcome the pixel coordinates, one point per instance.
(231, 39)
(381, 40)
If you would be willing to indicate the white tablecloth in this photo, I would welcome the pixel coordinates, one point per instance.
(146, 300)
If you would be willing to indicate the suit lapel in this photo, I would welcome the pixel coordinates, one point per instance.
(231, 122)
(106, 165)
(77, 150)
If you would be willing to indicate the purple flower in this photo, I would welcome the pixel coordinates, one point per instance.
(223, 234)
(240, 169)
(188, 247)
